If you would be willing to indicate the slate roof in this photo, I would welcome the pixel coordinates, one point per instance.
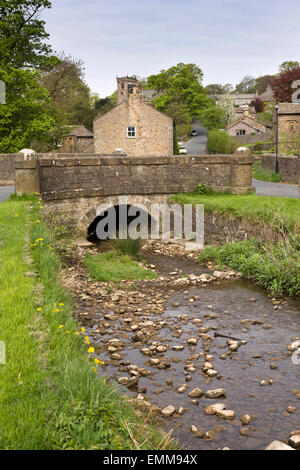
(80, 131)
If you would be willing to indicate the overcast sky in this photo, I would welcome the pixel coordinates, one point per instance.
(228, 39)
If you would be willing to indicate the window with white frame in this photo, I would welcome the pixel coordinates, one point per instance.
(131, 132)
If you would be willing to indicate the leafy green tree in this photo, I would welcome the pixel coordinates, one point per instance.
(182, 96)
(70, 96)
(22, 33)
(213, 118)
(288, 65)
(26, 117)
(220, 142)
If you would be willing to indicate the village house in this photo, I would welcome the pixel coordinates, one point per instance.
(245, 125)
(288, 119)
(133, 127)
(79, 140)
(238, 100)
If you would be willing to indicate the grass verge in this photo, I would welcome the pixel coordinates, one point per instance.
(263, 174)
(283, 213)
(50, 395)
(275, 268)
(114, 267)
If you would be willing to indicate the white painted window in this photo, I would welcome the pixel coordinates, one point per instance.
(131, 132)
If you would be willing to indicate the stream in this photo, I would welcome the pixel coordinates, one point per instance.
(218, 310)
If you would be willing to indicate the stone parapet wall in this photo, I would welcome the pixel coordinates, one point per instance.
(73, 177)
(7, 169)
(289, 166)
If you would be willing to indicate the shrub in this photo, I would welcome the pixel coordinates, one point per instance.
(220, 142)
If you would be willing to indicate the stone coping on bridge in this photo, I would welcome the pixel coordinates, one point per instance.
(74, 176)
(68, 160)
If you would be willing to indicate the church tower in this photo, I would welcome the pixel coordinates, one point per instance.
(126, 87)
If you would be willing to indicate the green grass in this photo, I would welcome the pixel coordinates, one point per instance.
(114, 267)
(275, 267)
(263, 174)
(271, 210)
(50, 395)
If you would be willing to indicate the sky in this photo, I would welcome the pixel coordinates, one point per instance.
(227, 39)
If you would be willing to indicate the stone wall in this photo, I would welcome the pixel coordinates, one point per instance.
(7, 169)
(289, 166)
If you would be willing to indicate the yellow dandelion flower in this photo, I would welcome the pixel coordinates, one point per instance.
(61, 326)
(57, 310)
(61, 304)
(97, 361)
(91, 350)
(39, 309)
(76, 333)
(68, 332)
(82, 330)
(87, 339)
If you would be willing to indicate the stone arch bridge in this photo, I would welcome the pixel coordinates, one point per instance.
(77, 184)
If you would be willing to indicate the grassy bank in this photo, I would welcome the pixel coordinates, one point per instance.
(113, 267)
(275, 267)
(53, 394)
(263, 174)
(278, 211)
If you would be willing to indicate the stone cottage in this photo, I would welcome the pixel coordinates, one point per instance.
(133, 127)
(79, 140)
(288, 119)
(245, 125)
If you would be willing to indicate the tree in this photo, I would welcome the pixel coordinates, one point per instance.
(258, 105)
(282, 84)
(217, 89)
(247, 85)
(227, 104)
(22, 33)
(214, 89)
(70, 96)
(213, 118)
(26, 118)
(182, 95)
(104, 105)
(263, 82)
(288, 65)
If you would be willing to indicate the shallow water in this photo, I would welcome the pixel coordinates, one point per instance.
(229, 303)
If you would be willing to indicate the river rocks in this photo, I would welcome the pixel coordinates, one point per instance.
(182, 389)
(196, 432)
(233, 345)
(244, 431)
(246, 419)
(214, 409)
(226, 414)
(178, 348)
(192, 341)
(168, 411)
(218, 393)
(291, 409)
(196, 393)
(273, 366)
(277, 445)
(211, 373)
(154, 362)
(294, 439)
